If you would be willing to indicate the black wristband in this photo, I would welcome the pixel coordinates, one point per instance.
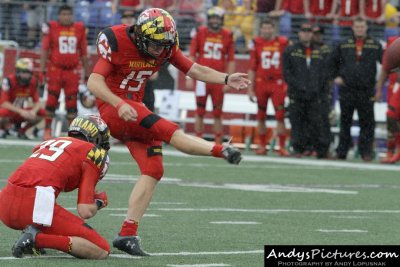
(226, 79)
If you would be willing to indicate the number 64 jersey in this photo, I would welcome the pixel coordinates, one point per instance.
(60, 163)
(266, 58)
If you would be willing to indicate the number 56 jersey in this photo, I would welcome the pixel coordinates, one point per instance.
(266, 57)
(59, 163)
(212, 49)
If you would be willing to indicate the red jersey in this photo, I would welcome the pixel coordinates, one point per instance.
(129, 3)
(59, 163)
(266, 57)
(348, 8)
(212, 49)
(294, 6)
(373, 8)
(66, 44)
(16, 94)
(320, 7)
(126, 70)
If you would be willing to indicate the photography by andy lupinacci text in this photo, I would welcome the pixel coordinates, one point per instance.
(320, 255)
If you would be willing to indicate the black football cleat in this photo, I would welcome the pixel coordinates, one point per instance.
(231, 154)
(26, 242)
(130, 245)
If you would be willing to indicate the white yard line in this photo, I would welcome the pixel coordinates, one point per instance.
(249, 158)
(235, 222)
(199, 265)
(124, 215)
(342, 231)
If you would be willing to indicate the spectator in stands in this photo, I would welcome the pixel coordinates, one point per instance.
(169, 5)
(28, 200)
(295, 8)
(63, 46)
(348, 10)
(392, 18)
(320, 11)
(212, 46)
(267, 81)
(10, 20)
(374, 12)
(355, 61)
(128, 17)
(303, 67)
(35, 17)
(136, 5)
(19, 99)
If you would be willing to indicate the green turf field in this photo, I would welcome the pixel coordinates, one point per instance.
(206, 212)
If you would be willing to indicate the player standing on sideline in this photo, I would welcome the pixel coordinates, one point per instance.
(17, 89)
(64, 44)
(390, 65)
(212, 46)
(60, 164)
(128, 56)
(266, 75)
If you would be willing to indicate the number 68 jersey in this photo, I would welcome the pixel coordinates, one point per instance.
(59, 163)
(66, 44)
(266, 57)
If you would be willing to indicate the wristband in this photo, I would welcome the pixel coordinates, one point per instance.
(120, 104)
(226, 79)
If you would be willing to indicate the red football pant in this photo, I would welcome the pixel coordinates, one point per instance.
(216, 91)
(270, 89)
(16, 212)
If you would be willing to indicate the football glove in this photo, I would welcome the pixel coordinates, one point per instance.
(101, 199)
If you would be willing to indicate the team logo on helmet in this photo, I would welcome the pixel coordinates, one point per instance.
(93, 128)
(155, 27)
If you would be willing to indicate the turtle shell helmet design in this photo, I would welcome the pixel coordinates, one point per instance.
(217, 12)
(23, 67)
(155, 27)
(92, 128)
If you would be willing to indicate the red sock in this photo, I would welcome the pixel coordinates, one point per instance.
(199, 134)
(218, 138)
(129, 227)
(47, 122)
(391, 144)
(217, 151)
(263, 141)
(58, 242)
(282, 141)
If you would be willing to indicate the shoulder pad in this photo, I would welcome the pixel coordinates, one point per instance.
(6, 84)
(106, 43)
(98, 156)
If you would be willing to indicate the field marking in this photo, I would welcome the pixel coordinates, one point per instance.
(160, 254)
(353, 217)
(270, 188)
(199, 265)
(342, 231)
(235, 222)
(124, 215)
(249, 158)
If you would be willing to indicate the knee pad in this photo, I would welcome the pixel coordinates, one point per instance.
(217, 111)
(392, 125)
(201, 110)
(52, 101)
(154, 166)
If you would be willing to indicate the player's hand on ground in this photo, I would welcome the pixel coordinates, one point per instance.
(127, 112)
(101, 199)
(238, 81)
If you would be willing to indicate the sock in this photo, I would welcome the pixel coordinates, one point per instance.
(218, 138)
(47, 122)
(129, 227)
(58, 242)
(199, 134)
(263, 141)
(391, 145)
(282, 141)
(217, 151)
(26, 127)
